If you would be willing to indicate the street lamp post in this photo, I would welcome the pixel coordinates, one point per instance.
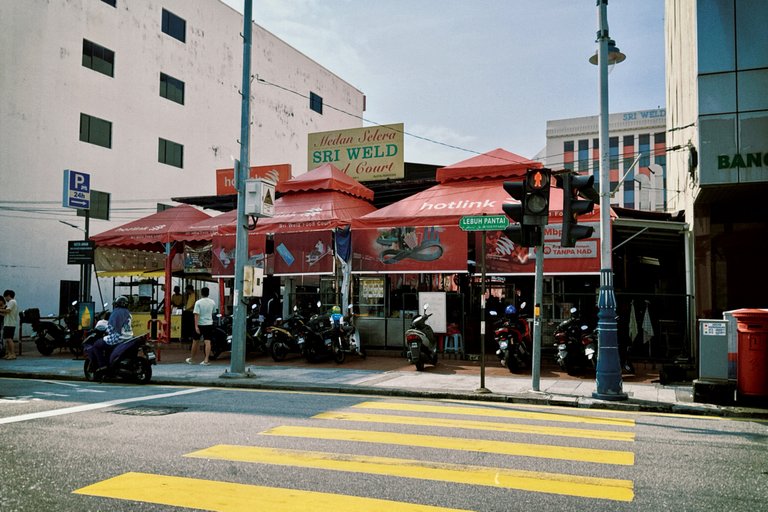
(608, 374)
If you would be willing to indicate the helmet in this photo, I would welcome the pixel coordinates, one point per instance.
(101, 325)
(336, 310)
(121, 302)
(511, 310)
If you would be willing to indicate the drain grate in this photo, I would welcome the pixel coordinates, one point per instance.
(143, 410)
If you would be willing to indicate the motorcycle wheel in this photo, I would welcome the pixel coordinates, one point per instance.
(43, 346)
(143, 372)
(419, 366)
(89, 370)
(278, 351)
(513, 365)
(338, 354)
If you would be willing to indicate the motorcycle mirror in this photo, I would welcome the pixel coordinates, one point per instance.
(74, 302)
(493, 312)
(350, 307)
(254, 306)
(425, 307)
(295, 308)
(522, 305)
(573, 310)
(584, 328)
(319, 303)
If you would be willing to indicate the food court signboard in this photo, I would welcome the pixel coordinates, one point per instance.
(365, 154)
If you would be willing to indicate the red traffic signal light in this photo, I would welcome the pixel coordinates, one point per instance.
(536, 204)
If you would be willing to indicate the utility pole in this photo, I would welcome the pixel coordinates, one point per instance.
(237, 361)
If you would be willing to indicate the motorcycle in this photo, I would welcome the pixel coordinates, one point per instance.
(576, 344)
(349, 335)
(56, 332)
(130, 360)
(286, 336)
(420, 342)
(513, 336)
(221, 336)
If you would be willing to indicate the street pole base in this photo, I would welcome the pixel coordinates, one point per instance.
(610, 396)
(237, 375)
(483, 390)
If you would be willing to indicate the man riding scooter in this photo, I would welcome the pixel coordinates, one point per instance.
(119, 329)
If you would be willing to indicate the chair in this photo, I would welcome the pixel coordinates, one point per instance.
(454, 344)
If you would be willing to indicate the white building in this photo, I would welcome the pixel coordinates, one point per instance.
(574, 144)
(143, 95)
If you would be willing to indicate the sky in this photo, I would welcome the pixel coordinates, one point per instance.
(475, 74)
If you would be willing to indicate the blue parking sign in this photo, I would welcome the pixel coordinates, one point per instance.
(77, 190)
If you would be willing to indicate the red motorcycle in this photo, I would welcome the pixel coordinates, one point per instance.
(513, 336)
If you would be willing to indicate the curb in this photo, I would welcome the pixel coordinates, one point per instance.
(530, 398)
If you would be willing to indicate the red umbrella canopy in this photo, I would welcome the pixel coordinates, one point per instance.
(158, 228)
(208, 228)
(325, 177)
(498, 163)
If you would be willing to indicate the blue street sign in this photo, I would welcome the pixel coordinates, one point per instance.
(77, 190)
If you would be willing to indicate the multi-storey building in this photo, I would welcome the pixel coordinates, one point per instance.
(574, 144)
(144, 96)
(717, 123)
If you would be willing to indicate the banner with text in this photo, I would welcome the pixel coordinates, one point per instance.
(365, 154)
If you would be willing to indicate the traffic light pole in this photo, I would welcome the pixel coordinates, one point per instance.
(608, 374)
(538, 295)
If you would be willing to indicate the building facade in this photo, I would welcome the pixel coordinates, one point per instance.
(574, 144)
(717, 121)
(144, 97)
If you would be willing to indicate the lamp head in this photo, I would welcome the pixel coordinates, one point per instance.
(614, 55)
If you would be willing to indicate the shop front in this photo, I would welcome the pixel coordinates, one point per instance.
(416, 246)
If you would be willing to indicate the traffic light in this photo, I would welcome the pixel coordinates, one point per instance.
(575, 185)
(536, 203)
(520, 233)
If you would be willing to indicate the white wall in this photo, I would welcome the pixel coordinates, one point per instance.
(45, 88)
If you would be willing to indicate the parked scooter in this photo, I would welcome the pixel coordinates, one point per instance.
(56, 332)
(576, 344)
(420, 342)
(221, 336)
(513, 336)
(130, 360)
(286, 336)
(350, 337)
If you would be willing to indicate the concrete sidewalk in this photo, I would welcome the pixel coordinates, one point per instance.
(393, 376)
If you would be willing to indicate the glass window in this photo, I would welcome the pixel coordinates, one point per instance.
(717, 93)
(98, 58)
(170, 153)
(171, 88)
(583, 155)
(95, 131)
(751, 35)
(716, 38)
(316, 103)
(174, 26)
(113, 3)
(752, 90)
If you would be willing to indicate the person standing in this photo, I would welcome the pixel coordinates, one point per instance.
(188, 315)
(177, 300)
(10, 314)
(203, 312)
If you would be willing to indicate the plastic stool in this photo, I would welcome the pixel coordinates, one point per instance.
(454, 343)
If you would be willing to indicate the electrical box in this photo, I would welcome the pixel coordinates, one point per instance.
(253, 281)
(713, 349)
(259, 198)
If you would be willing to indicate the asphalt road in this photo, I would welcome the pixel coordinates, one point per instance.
(70, 446)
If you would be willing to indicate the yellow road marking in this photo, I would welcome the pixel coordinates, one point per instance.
(456, 443)
(534, 481)
(231, 497)
(607, 435)
(494, 412)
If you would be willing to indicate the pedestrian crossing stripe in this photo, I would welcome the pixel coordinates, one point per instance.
(534, 481)
(606, 435)
(496, 413)
(218, 496)
(599, 456)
